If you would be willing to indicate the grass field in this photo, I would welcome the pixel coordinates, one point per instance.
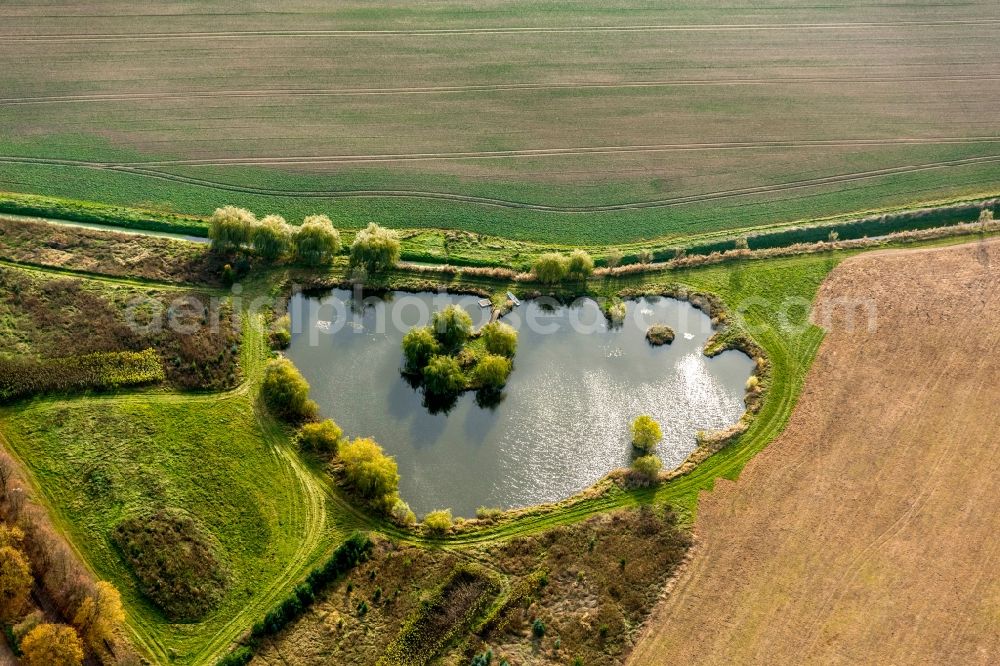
(595, 123)
(863, 533)
(209, 455)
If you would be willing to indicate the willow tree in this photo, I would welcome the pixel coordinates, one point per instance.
(580, 265)
(230, 228)
(452, 326)
(646, 433)
(375, 248)
(317, 242)
(271, 238)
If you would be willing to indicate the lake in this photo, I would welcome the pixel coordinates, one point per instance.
(563, 422)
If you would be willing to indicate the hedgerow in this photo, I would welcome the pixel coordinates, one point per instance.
(348, 555)
(21, 377)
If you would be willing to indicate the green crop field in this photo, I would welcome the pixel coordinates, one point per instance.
(589, 123)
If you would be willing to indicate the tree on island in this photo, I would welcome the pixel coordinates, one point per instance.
(419, 345)
(452, 326)
(492, 371)
(500, 339)
(443, 375)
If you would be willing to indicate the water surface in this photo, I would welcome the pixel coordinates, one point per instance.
(563, 422)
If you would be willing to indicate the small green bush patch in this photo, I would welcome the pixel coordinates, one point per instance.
(175, 561)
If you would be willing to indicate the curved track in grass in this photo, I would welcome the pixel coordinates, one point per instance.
(143, 171)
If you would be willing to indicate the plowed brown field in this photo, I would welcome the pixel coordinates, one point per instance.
(867, 532)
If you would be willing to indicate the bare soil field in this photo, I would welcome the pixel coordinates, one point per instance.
(866, 533)
(565, 107)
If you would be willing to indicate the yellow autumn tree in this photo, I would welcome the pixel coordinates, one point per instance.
(51, 645)
(15, 583)
(100, 613)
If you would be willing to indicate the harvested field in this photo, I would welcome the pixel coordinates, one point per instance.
(506, 116)
(866, 533)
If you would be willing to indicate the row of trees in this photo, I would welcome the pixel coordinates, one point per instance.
(315, 242)
(42, 643)
(91, 610)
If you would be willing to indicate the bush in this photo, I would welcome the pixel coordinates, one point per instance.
(614, 257)
(419, 345)
(492, 371)
(370, 472)
(646, 433)
(538, 628)
(375, 248)
(443, 376)
(647, 466)
(550, 268)
(271, 237)
(322, 437)
(52, 645)
(615, 311)
(317, 242)
(500, 339)
(286, 392)
(580, 265)
(15, 583)
(402, 513)
(281, 332)
(175, 562)
(483, 659)
(488, 513)
(452, 326)
(438, 521)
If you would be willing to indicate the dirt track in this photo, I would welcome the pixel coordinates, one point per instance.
(867, 532)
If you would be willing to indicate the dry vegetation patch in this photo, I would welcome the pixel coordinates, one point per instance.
(109, 253)
(42, 318)
(176, 562)
(867, 531)
(590, 585)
